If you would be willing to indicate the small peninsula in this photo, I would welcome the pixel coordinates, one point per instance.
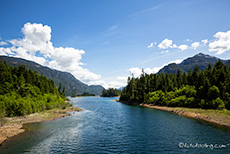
(199, 94)
(111, 92)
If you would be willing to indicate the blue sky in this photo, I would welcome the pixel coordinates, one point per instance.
(104, 41)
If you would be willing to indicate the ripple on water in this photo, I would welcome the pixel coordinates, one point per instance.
(111, 127)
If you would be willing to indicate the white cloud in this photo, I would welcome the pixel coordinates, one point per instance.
(174, 46)
(120, 82)
(222, 44)
(135, 71)
(183, 47)
(187, 40)
(165, 44)
(156, 69)
(204, 41)
(36, 45)
(138, 71)
(195, 45)
(5, 51)
(2, 43)
(166, 51)
(122, 78)
(151, 45)
(115, 84)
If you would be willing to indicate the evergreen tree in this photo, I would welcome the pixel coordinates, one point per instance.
(208, 88)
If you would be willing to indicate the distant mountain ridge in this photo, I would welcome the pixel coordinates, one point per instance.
(200, 60)
(72, 85)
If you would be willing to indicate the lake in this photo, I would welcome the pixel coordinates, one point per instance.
(106, 126)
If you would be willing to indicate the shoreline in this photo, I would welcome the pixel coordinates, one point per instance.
(211, 116)
(216, 117)
(14, 125)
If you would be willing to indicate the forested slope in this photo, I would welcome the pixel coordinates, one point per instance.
(23, 92)
(71, 84)
(208, 89)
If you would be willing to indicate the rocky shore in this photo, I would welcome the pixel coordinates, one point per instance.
(218, 117)
(13, 126)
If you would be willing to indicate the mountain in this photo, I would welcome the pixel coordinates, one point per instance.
(70, 83)
(171, 68)
(121, 88)
(200, 60)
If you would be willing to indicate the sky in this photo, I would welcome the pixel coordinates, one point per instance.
(102, 42)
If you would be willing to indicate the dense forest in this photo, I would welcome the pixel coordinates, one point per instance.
(207, 89)
(71, 84)
(82, 95)
(23, 92)
(111, 92)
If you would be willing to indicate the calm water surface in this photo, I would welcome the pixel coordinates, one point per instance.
(105, 126)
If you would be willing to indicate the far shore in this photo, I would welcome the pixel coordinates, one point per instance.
(13, 125)
(216, 117)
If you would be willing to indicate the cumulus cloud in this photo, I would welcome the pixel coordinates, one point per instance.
(204, 41)
(122, 78)
(183, 47)
(36, 45)
(119, 82)
(116, 84)
(221, 44)
(136, 71)
(195, 45)
(174, 46)
(165, 44)
(151, 45)
(5, 51)
(2, 43)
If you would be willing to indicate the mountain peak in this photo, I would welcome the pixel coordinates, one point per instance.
(203, 55)
(200, 60)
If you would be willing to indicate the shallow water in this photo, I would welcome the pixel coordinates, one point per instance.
(106, 126)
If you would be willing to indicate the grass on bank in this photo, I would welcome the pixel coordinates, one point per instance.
(220, 115)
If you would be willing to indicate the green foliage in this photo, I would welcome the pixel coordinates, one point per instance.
(68, 81)
(111, 92)
(85, 94)
(24, 92)
(213, 92)
(209, 89)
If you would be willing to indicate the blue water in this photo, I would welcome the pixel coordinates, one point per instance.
(106, 126)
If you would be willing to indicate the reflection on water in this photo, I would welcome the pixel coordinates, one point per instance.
(105, 126)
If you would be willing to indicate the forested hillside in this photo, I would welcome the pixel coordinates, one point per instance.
(208, 89)
(199, 60)
(71, 84)
(23, 92)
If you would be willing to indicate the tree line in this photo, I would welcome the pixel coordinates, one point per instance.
(111, 92)
(23, 92)
(207, 89)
